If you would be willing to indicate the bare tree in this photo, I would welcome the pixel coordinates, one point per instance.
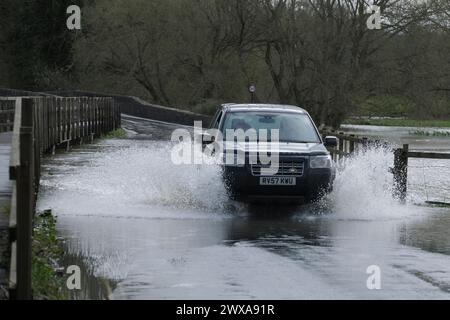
(318, 54)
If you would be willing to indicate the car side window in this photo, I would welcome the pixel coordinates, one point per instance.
(214, 119)
(219, 117)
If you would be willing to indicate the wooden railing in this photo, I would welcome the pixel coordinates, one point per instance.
(137, 107)
(400, 170)
(40, 125)
(349, 143)
(7, 114)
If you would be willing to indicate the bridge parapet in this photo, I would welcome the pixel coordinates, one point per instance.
(7, 107)
(40, 125)
(137, 107)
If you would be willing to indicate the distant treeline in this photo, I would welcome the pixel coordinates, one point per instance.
(195, 54)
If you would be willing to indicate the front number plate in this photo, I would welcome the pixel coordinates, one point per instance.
(277, 181)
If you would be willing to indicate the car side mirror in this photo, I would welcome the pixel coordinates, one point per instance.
(207, 138)
(331, 142)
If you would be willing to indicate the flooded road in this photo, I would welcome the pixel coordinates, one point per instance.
(161, 231)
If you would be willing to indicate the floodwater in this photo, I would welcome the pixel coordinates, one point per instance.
(156, 230)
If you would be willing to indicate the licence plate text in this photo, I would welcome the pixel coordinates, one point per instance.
(277, 181)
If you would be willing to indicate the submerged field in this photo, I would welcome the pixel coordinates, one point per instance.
(390, 122)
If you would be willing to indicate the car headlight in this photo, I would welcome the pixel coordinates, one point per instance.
(321, 162)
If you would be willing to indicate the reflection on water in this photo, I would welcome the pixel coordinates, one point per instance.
(430, 233)
(159, 231)
(211, 258)
(93, 287)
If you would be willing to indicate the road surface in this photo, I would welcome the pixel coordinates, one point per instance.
(161, 231)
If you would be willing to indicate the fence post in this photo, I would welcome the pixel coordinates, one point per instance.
(352, 144)
(25, 202)
(365, 143)
(341, 144)
(401, 172)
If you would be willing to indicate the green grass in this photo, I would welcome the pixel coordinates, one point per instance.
(4, 250)
(400, 122)
(116, 134)
(46, 251)
(438, 204)
(5, 210)
(430, 133)
(384, 105)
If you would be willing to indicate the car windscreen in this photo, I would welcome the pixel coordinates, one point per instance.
(293, 127)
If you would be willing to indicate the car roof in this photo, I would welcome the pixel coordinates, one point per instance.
(261, 107)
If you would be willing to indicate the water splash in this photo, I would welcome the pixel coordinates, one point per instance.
(139, 176)
(364, 187)
(133, 178)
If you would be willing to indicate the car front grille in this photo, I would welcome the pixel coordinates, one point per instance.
(286, 168)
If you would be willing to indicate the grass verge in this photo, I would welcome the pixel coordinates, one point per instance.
(430, 133)
(47, 283)
(435, 204)
(400, 122)
(117, 134)
(4, 251)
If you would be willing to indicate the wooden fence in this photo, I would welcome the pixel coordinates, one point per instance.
(349, 143)
(40, 125)
(137, 107)
(400, 170)
(6, 114)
